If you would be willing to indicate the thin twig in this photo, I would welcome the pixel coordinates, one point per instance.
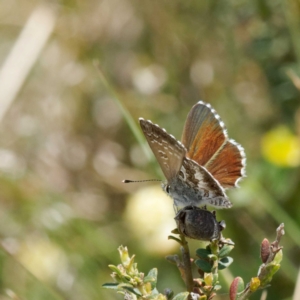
(186, 260)
(263, 271)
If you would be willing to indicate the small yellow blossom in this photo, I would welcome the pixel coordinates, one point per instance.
(281, 147)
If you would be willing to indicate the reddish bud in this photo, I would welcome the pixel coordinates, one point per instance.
(236, 287)
(265, 250)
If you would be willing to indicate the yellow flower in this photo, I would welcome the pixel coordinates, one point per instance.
(281, 147)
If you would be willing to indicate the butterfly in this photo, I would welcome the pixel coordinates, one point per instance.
(203, 165)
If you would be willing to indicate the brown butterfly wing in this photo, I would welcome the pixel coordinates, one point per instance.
(228, 166)
(168, 151)
(203, 133)
(207, 143)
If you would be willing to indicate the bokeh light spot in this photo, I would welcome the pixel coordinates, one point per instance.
(281, 147)
(150, 215)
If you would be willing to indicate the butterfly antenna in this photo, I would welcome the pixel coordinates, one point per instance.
(131, 181)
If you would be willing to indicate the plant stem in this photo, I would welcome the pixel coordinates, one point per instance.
(127, 116)
(214, 246)
(186, 259)
(246, 294)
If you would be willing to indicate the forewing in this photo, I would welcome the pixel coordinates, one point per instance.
(228, 166)
(203, 134)
(168, 151)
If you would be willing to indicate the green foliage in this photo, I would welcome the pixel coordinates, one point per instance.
(225, 250)
(204, 265)
(182, 296)
(212, 259)
(225, 262)
(131, 282)
(203, 253)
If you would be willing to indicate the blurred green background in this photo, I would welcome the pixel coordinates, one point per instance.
(65, 145)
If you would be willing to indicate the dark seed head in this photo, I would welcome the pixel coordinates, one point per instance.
(197, 223)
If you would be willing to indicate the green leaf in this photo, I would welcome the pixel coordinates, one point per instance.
(111, 286)
(119, 287)
(203, 265)
(203, 253)
(152, 273)
(225, 262)
(217, 287)
(271, 269)
(278, 257)
(116, 270)
(152, 278)
(132, 290)
(171, 237)
(154, 293)
(225, 250)
(182, 296)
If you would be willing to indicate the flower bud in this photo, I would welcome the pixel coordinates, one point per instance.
(265, 250)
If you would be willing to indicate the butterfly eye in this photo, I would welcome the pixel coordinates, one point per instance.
(167, 189)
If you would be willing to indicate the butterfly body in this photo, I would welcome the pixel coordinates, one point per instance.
(206, 162)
